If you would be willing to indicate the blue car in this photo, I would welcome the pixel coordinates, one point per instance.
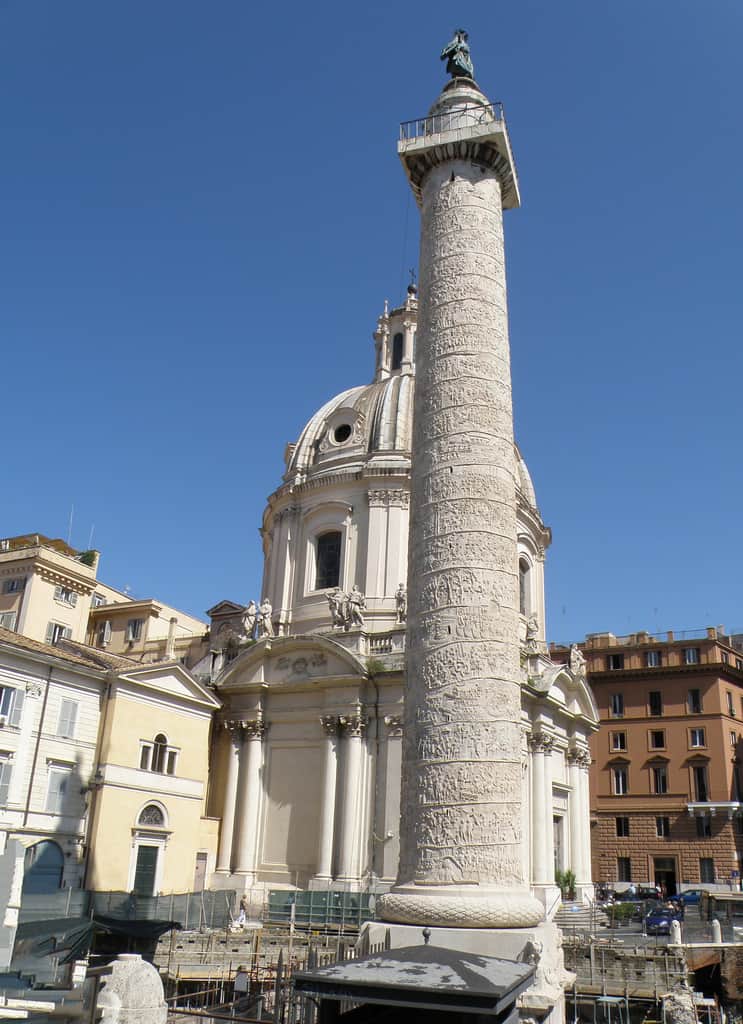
(690, 896)
(658, 921)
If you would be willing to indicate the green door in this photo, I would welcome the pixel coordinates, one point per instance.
(144, 876)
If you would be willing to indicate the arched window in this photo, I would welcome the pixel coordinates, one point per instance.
(328, 564)
(152, 815)
(397, 344)
(524, 587)
(43, 867)
(159, 753)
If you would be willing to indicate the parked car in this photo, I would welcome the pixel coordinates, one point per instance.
(658, 921)
(690, 896)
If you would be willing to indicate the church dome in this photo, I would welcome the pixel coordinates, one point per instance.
(359, 424)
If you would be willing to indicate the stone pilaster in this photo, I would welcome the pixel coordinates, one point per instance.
(542, 843)
(461, 840)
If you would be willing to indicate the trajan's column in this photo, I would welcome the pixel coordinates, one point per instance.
(462, 860)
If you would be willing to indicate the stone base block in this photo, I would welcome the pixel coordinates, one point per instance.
(540, 945)
(460, 906)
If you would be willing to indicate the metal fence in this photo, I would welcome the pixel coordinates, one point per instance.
(192, 910)
(319, 909)
(452, 120)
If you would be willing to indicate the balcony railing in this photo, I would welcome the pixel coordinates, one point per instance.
(452, 120)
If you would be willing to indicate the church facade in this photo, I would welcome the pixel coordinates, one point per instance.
(307, 753)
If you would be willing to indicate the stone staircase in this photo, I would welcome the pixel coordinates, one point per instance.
(574, 916)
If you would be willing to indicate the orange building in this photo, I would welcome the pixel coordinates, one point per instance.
(666, 788)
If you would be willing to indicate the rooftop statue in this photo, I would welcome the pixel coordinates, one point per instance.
(457, 56)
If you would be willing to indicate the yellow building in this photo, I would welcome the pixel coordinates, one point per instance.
(49, 591)
(148, 831)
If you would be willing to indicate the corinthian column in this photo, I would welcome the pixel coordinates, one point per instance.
(251, 763)
(327, 811)
(352, 727)
(227, 830)
(461, 840)
(575, 810)
(542, 841)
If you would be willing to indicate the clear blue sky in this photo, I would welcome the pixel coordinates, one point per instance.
(202, 211)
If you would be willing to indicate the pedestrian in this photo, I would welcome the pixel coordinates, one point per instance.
(242, 917)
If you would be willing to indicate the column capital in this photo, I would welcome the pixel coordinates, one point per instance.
(396, 498)
(541, 743)
(255, 728)
(330, 724)
(394, 725)
(578, 756)
(355, 724)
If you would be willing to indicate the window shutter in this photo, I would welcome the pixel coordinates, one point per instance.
(73, 598)
(5, 770)
(107, 631)
(16, 707)
(50, 633)
(67, 633)
(57, 593)
(67, 718)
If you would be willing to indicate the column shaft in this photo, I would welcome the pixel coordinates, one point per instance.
(538, 847)
(353, 727)
(229, 805)
(251, 763)
(324, 869)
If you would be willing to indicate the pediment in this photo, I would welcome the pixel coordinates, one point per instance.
(292, 661)
(225, 608)
(171, 680)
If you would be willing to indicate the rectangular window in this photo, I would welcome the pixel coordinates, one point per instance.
(691, 655)
(694, 702)
(733, 738)
(6, 769)
(663, 827)
(614, 662)
(170, 765)
(653, 659)
(56, 631)
(7, 620)
(97, 600)
(657, 739)
(14, 586)
(619, 741)
(104, 633)
(622, 827)
(11, 704)
(655, 702)
(707, 870)
(134, 629)
(660, 779)
(67, 718)
(145, 756)
(731, 706)
(624, 869)
(725, 657)
(616, 703)
(66, 595)
(701, 789)
(57, 787)
(697, 738)
(620, 780)
(704, 827)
